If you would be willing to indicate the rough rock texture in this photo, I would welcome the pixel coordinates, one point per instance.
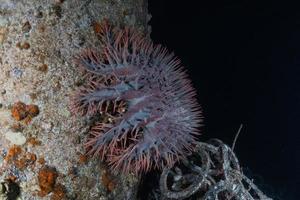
(38, 40)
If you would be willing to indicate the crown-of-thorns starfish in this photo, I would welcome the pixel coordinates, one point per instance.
(153, 115)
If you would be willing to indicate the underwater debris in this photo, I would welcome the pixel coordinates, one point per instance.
(213, 172)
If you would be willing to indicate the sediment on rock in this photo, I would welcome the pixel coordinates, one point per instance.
(38, 41)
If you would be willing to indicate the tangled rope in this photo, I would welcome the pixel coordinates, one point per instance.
(213, 173)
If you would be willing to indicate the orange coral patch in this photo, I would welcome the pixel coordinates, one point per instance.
(13, 152)
(46, 177)
(19, 111)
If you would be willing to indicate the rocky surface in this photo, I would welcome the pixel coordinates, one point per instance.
(38, 41)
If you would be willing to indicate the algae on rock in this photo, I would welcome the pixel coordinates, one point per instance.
(38, 41)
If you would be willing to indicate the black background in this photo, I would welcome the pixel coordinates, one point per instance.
(244, 59)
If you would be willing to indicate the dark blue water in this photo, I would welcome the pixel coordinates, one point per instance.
(244, 59)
